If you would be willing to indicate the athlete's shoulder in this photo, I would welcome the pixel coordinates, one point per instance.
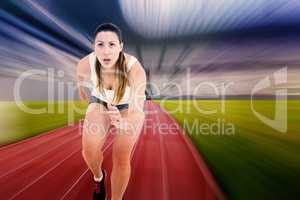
(136, 70)
(129, 57)
(83, 63)
(131, 60)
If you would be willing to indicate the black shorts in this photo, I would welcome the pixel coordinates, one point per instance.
(120, 107)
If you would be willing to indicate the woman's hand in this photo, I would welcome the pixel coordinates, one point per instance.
(116, 118)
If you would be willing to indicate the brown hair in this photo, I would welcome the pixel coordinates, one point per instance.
(121, 65)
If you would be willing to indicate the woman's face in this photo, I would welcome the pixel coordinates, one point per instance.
(107, 48)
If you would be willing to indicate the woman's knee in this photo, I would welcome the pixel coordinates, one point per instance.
(91, 154)
(122, 155)
(121, 161)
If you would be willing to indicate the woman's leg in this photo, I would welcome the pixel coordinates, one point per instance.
(95, 128)
(122, 149)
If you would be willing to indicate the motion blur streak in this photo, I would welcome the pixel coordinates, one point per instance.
(180, 44)
(171, 18)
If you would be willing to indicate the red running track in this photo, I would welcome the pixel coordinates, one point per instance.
(165, 165)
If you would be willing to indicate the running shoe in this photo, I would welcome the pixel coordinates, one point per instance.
(99, 188)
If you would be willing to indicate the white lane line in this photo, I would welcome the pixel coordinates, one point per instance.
(82, 175)
(163, 160)
(37, 157)
(44, 174)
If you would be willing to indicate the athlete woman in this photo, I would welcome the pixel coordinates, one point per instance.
(117, 82)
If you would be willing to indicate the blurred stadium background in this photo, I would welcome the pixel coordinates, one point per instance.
(218, 41)
(181, 44)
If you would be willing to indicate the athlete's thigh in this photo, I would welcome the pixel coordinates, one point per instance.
(123, 146)
(125, 139)
(135, 128)
(96, 126)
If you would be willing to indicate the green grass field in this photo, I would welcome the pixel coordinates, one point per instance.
(253, 161)
(256, 162)
(15, 124)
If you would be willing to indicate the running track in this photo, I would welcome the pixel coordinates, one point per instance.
(165, 165)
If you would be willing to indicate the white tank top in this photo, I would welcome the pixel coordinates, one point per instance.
(109, 94)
